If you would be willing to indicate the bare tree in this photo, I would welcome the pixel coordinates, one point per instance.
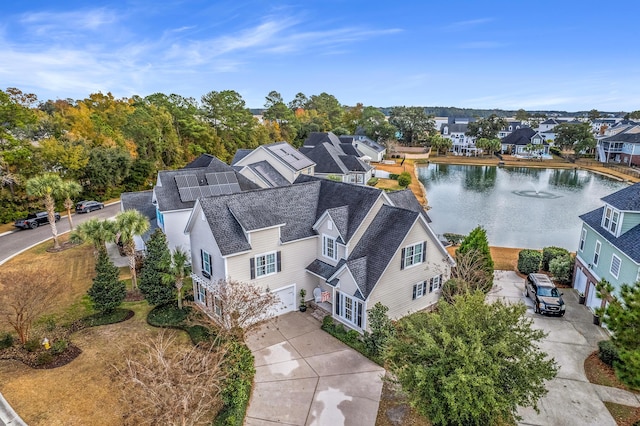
(467, 276)
(168, 384)
(26, 295)
(237, 305)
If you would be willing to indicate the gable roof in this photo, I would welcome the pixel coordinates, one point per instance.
(378, 245)
(406, 200)
(454, 127)
(268, 174)
(360, 139)
(289, 156)
(168, 196)
(318, 138)
(204, 160)
(626, 199)
(349, 149)
(628, 243)
(521, 136)
(240, 154)
(330, 159)
(623, 137)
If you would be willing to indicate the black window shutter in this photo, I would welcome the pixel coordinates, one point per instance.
(424, 251)
(359, 317)
(338, 303)
(278, 262)
(430, 285)
(202, 259)
(402, 260)
(415, 289)
(252, 265)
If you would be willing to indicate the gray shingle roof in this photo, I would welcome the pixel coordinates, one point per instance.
(321, 268)
(318, 138)
(626, 199)
(455, 128)
(359, 198)
(521, 136)
(293, 206)
(340, 216)
(349, 149)
(359, 139)
(269, 174)
(624, 137)
(167, 193)
(379, 244)
(406, 200)
(332, 160)
(204, 160)
(628, 243)
(141, 201)
(239, 155)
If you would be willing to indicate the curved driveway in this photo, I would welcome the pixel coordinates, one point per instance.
(19, 240)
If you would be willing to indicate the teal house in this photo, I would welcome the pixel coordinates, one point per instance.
(609, 245)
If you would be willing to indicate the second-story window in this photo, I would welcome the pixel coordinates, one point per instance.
(329, 247)
(265, 264)
(583, 237)
(413, 255)
(206, 263)
(596, 253)
(610, 219)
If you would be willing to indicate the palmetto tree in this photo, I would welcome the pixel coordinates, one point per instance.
(128, 224)
(96, 231)
(178, 270)
(46, 187)
(68, 190)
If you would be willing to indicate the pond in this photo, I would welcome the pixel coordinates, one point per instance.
(518, 206)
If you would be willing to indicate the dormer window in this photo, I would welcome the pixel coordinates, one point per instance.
(611, 219)
(329, 248)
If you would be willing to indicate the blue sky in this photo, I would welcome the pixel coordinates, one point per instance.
(561, 55)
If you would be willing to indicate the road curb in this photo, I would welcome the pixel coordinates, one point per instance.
(8, 416)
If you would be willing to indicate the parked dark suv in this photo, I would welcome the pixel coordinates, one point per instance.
(546, 297)
(87, 206)
(33, 220)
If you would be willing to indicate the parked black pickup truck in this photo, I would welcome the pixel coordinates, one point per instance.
(33, 220)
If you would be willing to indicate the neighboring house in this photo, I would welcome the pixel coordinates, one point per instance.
(271, 165)
(176, 191)
(461, 144)
(511, 127)
(335, 159)
(623, 147)
(549, 124)
(518, 141)
(371, 150)
(609, 245)
(142, 202)
(348, 246)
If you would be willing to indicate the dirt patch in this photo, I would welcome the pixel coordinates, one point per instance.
(66, 245)
(394, 410)
(602, 374)
(623, 414)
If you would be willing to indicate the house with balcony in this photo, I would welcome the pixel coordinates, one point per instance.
(525, 142)
(609, 245)
(461, 144)
(622, 147)
(348, 246)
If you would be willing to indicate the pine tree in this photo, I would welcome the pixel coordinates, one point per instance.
(107, 291)
(157, 264)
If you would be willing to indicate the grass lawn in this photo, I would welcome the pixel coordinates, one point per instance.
(504, 258)
(83, 391)
(623, 414)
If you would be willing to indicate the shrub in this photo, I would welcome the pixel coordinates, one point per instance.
(167, 315)
(381, 329)
(6, 341)
(560, 268)
(404, 179)
(237, 385)
(393, 176)
(59, 346)
(327, 322)
(32, 345)
(44, 358)
(373, 181)
(550, 253)
(607, 352)
(529, 261)
(199, 333)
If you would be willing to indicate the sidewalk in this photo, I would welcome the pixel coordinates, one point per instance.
(8, 417)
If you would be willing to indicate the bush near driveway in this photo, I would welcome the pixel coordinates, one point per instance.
(529, 261)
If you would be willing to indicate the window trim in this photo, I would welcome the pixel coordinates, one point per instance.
(583, 239)
(419, 290)
(357, 309)
(435, 283)
(205, 263)
(617, 273)
(596, 253)
(405, 255)
(325, 247)
(266, 264)
(611, 219)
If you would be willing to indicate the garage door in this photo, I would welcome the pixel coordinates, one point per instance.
(287, 299)
(581, 281)
(593, 301)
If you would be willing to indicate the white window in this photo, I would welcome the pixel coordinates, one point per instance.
(615, 266)
(201, 294)
(217, 306)
(329, 248)
(596, 253)
(583, 237)
(349, 309)
(265, 264)
(435, 283)
(206, 263)
(413, 255)
(419, 290)
(611, 219)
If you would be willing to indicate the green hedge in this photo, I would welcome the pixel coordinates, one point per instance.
(393, 176)
(349, 337)
(529, 261)
(373, 181)
(608, 352)
(237, 385)
(550, 253)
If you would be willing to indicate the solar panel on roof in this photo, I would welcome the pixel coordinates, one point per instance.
(181, 181)
(215, 190)
(212, 178)
(231, 177)
(185, 194)
(192, 180)
(235, 187)
(205, 191)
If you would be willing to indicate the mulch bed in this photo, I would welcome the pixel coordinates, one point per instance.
(63, 246)
(134, 296)
(30, 358)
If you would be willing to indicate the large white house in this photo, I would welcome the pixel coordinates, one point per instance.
(348, 246)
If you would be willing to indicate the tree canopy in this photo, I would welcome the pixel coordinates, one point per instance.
(578, 137)
(487, 128)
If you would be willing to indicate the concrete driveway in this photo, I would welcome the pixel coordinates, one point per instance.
(305, 376)
(572, 399)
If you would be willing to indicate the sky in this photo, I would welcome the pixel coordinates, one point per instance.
(537, 55)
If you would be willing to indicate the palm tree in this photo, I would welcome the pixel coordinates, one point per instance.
(96, 231)
(46, 187)
(128, 224)
(67, 190)
(178, 270)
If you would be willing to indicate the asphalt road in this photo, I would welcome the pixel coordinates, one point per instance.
(20, 240)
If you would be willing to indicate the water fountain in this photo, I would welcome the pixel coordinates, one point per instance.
(536, 193)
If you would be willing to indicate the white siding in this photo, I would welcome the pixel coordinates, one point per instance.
(260, 154)
(323, 229)
(202, 239)
(174, 224)
(395, 287)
